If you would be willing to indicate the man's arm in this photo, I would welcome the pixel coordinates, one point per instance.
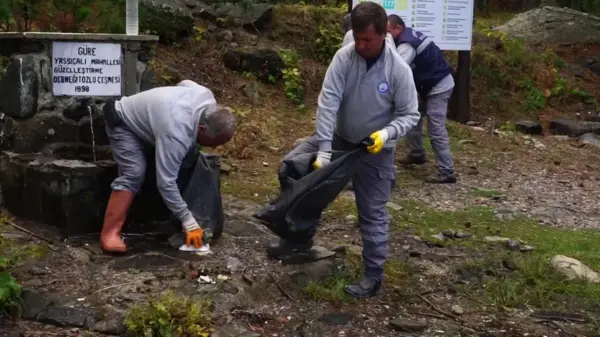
(170, 152)
(330, 98)
(406, 102)
(407, 52)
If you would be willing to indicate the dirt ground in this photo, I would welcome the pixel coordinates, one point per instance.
(553, 180)
(556, 183)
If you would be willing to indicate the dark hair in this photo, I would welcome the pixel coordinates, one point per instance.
(366, 14)
(396, 20)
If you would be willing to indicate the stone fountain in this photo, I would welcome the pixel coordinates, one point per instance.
(56, 166)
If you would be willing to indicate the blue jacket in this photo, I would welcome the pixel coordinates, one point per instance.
(430, 66)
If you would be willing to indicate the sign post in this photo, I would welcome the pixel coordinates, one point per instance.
(86, 69)
(450, 24)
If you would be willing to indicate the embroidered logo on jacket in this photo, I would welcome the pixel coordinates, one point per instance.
(383, 87)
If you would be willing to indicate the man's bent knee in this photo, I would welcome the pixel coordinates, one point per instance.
(129, 181)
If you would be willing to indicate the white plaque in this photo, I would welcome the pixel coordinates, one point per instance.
(448, 22)
(86, 69)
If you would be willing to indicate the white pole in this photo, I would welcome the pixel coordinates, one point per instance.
(131, 17)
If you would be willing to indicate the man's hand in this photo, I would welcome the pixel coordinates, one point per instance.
(323, 158)
(193, 233)
(379, 139)
(194, 238)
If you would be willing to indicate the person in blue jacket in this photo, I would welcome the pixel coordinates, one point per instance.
(434, 82)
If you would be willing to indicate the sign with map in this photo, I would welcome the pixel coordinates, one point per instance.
(448, 22)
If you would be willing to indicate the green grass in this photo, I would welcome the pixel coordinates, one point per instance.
(399, 279)
(534, 282)
(170, 315)
(485, 193)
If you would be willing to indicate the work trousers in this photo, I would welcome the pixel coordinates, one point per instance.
(436, 110)
(372, 185)
(129, 152)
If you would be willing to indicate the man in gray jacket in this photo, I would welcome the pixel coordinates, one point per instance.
(368, 91)
(172, 120)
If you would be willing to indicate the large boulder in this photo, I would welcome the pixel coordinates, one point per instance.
(257, 16)
(554, 25)
(171, 20)
(263, 63)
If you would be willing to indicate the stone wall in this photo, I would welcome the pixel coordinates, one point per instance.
(56, 166)
(34, 117)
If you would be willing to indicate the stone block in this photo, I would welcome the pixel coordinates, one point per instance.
(529, 127)
(67, 194)
(19, 87)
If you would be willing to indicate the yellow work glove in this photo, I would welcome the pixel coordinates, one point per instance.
(379, 139)
(323, 158)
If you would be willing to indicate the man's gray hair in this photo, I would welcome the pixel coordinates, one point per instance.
(218, 119)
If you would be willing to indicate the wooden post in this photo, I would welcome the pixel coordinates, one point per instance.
(461, 109)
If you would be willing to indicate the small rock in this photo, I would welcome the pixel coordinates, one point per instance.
(462, 235)
(529, 127)
(224, 35)
(79, 254)
(234, 264)
(38, 271)
(450, 234)
(265, 163)
(590, 139)
(394, 206)
(439, 236)
(416, 238)
(225, 168)
(495, 239)
(502, 215)
(34, 283)
(573, 269)
(111, 326)
(526, 248)
(457, 309)
(351, 220)
(510, 265)
(407, 325)
(513, 244)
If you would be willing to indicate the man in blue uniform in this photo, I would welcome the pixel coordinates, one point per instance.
(434, 82)
(368, 91)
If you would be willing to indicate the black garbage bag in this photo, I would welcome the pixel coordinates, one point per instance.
(305, 193)
(202, 193)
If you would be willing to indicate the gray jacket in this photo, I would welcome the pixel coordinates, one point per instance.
(355, 102)
(168, 118)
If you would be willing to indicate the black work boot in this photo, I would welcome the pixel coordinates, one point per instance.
(412, 159)
(442, 179)
(284, 247)
(367, 287)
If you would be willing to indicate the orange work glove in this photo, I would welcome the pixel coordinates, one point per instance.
(194, 238)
